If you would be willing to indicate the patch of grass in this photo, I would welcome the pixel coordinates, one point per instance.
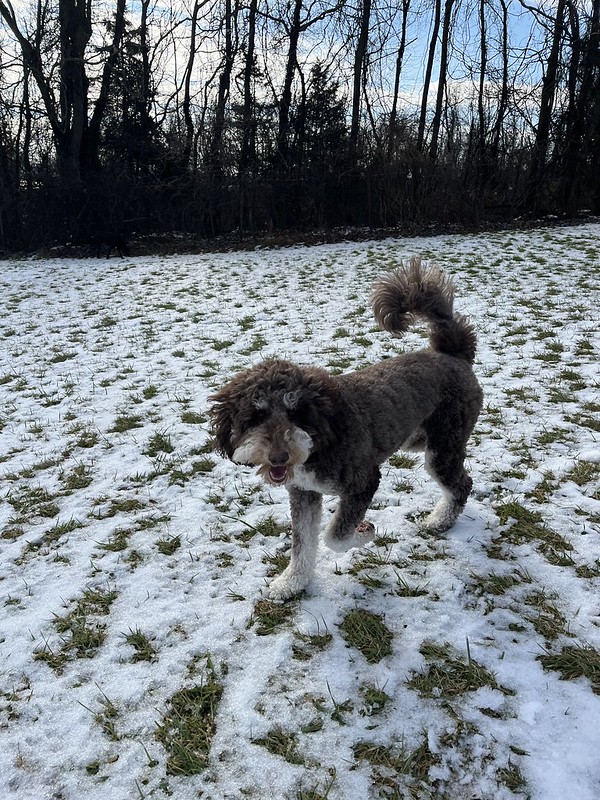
(107, 717)
(118, 540)
(141, 644)
(85, 637)
(544, 489)
(32, 501)
(192, 418)
(575, 662)
(548, 621)
(375, 699)
(95, 601)
(126, 422)
(81, 637)
(589, 570)
(585, 420)
(391, 762)
(269, 616)
(281, 743)
(315, 792)
(527, 527)
(168, 546)
(124, 505)
(584, 472)
(149, 392)
(53, 535)
(222, 344)
(79, 478)
(511, 776)
(87, 439)
(498, 584)
(188, 725)
(276, 562)
(60, 356)
(368, 633)
(159, 443)
(201, 466)
(448, 675)
(268, 526)
(404, 589)
(553, 436)
(306, 645)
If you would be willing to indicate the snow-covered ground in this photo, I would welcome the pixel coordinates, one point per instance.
(133, 561)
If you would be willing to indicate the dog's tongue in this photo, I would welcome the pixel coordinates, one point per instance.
(278, 474)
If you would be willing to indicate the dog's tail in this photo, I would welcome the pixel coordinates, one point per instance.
(418, 290)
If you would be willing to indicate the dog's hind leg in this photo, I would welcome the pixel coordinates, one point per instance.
(446, 467)
(348, 527)
(306, 517)
(447, 432)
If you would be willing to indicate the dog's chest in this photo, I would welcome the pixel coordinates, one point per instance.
(304, 478)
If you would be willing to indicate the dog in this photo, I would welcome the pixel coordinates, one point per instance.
(317, 433)
(106, 241)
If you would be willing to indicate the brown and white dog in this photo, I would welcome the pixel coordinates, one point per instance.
(318, 433)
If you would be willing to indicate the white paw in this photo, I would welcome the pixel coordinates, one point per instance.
(288, 584)
(443, 516)
(363, 534)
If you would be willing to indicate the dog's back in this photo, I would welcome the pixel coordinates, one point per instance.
(417, 290)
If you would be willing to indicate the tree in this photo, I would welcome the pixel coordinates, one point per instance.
(360, 57)
(441, 87)
(428, 73)
(64, 83)
(549, 89)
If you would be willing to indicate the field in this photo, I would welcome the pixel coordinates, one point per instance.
(140, 654)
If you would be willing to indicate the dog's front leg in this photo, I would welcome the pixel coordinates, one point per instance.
(348, 527)
(306, 517)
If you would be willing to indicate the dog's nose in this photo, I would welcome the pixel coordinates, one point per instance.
(279, 458)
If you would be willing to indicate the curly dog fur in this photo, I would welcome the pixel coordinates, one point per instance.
(320, 434)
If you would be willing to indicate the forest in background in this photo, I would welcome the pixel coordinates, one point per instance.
(204, 117)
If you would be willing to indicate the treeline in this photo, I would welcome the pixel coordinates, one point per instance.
(208, 116)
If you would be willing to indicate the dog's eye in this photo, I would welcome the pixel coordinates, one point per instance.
(300, 416)
(257, 416)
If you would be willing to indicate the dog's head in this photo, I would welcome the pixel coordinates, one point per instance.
(274, 416)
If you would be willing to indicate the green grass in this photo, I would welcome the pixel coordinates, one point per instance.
(368, 633)
(574, 662)
(268, 617)
(188, 725)
(281, 743)
(143, 649)
(447, 675)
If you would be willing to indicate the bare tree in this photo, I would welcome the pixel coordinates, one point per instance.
(397, 74)
(549, 89)
(66, 100)
(441, 87)
(428, 73)
(360, 57)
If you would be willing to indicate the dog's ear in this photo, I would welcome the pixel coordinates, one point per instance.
(223, 413)
(320, 406)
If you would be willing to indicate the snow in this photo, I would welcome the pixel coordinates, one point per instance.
(85, 341)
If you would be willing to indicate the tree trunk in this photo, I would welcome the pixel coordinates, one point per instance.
(581, 106)
(286, 94)
(439, 105)
(542, 138)
(398, 70)
(359, 63)
(428, 72)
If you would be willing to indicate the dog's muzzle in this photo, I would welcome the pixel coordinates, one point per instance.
(278, 470)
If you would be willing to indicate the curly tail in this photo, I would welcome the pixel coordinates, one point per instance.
(419, 290)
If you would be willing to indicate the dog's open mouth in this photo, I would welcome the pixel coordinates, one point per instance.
(278, 474)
